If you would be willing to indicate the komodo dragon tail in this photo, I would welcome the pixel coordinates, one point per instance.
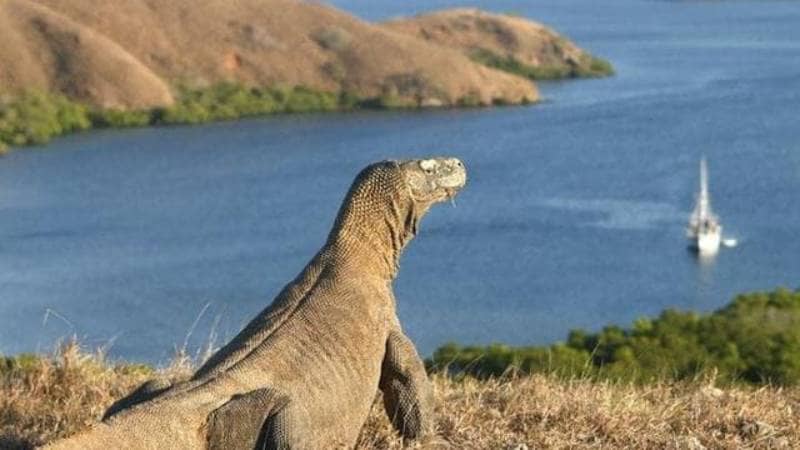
(100, 436)
(141, 433)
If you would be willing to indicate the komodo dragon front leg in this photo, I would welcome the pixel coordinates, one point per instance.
(407, 392)
(259, 419)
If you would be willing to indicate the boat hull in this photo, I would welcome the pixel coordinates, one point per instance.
(707, 243)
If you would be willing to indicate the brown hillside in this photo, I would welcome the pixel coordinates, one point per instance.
(471, 30)
(49, 51)
(126, 53)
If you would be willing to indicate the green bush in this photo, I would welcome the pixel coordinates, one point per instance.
(349, 100)
(755, 339)
(333, 38)
(35, 117)
(24, 362)
(589, 66)
(470, 100)
(228, 101)
(117, 118)
(388, 101)
(592, 66)
(184, 112)
(305, 100)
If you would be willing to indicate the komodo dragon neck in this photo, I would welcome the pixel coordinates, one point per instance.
(375, 222)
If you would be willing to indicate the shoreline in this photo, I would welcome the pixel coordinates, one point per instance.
(35, 117)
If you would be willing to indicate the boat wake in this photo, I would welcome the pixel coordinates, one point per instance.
(730, 242)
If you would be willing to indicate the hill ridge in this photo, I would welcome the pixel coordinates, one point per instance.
(68, 43)
(131, 54)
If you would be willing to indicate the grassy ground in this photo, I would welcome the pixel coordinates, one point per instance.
(45, 398)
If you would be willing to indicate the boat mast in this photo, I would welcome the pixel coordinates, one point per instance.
(702, 210)
(704, 202)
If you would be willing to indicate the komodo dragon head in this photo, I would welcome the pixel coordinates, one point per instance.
(385, 204)
(433, 180)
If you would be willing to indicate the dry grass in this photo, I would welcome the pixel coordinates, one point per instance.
(45, 398)
(543, 412)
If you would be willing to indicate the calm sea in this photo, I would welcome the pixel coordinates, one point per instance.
(147, 240)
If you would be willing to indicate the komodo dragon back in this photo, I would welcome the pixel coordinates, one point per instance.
(304, 372)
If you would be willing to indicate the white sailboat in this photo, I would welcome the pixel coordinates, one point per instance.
(704, 231)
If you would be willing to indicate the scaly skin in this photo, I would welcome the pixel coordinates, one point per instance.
(304, 373)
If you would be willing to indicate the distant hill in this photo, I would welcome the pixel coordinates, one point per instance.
(509, 43)
(132, 54)
(71, 65)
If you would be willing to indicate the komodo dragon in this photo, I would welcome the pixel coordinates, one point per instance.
(304, 373)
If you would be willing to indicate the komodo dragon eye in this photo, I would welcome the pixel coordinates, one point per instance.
(428, 166)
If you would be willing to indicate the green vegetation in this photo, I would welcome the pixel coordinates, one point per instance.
(228, 101)
(471, 100)
(389, 101)
(333, 38)
(597, 67)
(588, 66)
(22, 362)
(755, 339)
(118, 118)
(36, 117)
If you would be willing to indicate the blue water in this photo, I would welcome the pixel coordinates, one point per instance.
(574, 215)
